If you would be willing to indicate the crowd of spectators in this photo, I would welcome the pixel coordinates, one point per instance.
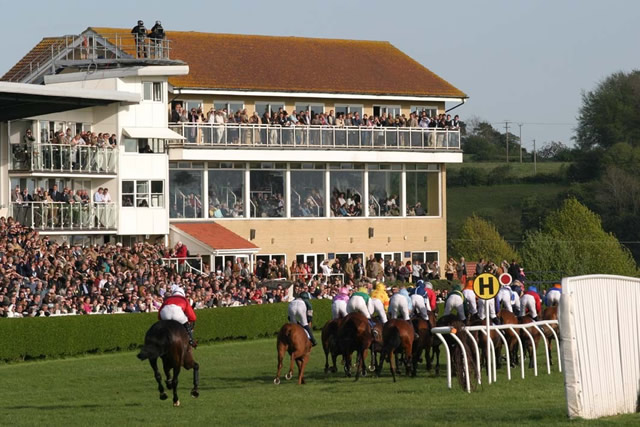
(311, 118)
(40, 277)
(347, 203)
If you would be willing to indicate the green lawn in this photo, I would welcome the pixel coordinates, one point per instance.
(518, 169)
(501, 204)
(237, 388)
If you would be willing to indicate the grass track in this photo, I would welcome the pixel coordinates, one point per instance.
(237, 388)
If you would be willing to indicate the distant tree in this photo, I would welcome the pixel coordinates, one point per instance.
(479, 238)
(611, 113)
(555, 150)
(572, 241)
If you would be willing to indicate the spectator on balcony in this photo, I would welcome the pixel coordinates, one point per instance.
(140, 34)
(106, 196)
(98, 197)
(146, 149)
(56, 195)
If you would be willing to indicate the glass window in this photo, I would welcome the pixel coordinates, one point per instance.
(430, 111)
(307, 193)
(231, 107)
(128, 190)
(268, 107)
(346, 193)
(130, 145)
(157, 91)
(423, 193)
(142, 194)
(226, 189)
(384, 193)
(267, 194)
(147, 89)
(311, 109)
(185, 193)
(157, 194)
(389, 110)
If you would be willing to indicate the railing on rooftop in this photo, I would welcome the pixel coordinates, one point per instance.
(95, 49)
(36, 157)
(315, 137)
(63, 216)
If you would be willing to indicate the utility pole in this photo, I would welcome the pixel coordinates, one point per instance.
(535, 166)
(520, 125)
(506, 127)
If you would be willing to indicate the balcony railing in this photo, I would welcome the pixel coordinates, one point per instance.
(316, 137)
(62, 216)
(36, 157)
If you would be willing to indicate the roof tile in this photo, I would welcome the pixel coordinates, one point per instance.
(214, 235)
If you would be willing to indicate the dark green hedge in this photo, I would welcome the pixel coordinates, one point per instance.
(31, 338)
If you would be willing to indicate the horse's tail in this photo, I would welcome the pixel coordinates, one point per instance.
(153, 348)
(149, 352)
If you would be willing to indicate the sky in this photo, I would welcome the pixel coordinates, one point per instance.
(523, 61)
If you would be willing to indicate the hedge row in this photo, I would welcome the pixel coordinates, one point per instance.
(33, 338)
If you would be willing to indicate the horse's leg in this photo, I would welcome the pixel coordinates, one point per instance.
(299, 363)
(334, 357)
(190, 363)
(166, 365)
(364, 362)
(326, 360)
(393, 360)
(176, 372)
(281, 349)
(154, 365)
(305, 360)
(290, 373)
(407, 361)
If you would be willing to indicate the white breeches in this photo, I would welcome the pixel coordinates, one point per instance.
(338, 309)
(470, 296)
(528, 303)
(377, 307)
(298, 312)
(455, 301)
(357, 304)
(491, 306)
(503, 299)
(419, 306)
(173, 312)
(399, 307)
(553, 298)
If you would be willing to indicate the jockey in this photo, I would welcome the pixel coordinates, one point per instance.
(455, 300)
(531, 301)
(359, 302)
(376, 305)
(380, 292)
(400, 305)
(503, 299)
(431, 296)
(301, 312)
(470, 297)
(491, 304)
(516, 291)
(339, 305)
(553, 295)
(177, 308)
(418, 301)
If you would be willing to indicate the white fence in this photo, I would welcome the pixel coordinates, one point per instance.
(540, 326)
(600, 322)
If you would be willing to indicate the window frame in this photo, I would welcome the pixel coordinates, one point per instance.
(156, 91)
(137, 196)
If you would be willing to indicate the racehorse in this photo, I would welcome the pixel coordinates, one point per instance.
(293, 339)
(376, 344)
(424, 341)
(354, 334)
(508, 318)
(397, 335)
(168, 339)
(528, 347)
(550, 313)
(457, 358)
(330, 344)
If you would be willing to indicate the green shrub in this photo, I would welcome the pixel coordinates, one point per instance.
(32, 338)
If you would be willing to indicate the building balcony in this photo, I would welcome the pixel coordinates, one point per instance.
(207, 135)
(63, 159)
(68, 217)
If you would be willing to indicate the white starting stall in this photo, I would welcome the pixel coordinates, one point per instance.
(599, 319)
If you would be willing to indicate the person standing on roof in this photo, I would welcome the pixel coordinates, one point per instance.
(140, 34)
(157, 35)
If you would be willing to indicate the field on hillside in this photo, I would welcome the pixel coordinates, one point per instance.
(237, 388)
(518, 169)
(501, 204)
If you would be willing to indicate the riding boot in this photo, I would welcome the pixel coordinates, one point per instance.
(189, 329)
(495, 321)
(372, 323)
(311, 338)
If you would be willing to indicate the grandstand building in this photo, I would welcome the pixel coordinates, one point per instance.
(299, 191)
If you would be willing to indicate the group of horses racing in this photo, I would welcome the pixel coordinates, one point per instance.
(396, 341)
(406, 342)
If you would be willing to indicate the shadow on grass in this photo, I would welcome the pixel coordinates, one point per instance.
(54, 407)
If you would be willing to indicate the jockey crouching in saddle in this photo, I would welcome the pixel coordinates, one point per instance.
(301, 312)
(530, 303)
(177, 308)
(380, 293)
(455, 300)
(361, 302)
(553, 295)
(516, 293)
(339, 304)
(400, 306)
(421, 305)
(470, 297)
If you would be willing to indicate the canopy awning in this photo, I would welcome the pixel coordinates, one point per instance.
(157, 133)
(213, 237)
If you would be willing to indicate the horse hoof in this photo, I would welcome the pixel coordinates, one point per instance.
(163, 396)
(195, 394)
(372, 368)
(289, 375)
(176, 403)
(334, 370)
(276, 381)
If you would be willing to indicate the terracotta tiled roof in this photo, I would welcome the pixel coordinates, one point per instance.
(41, 52)
(297, 64)
(214, 235)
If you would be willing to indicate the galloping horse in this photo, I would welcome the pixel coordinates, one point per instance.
(293, 339)
(397, 334)
(550, 313)
(354, 334)
(424, 342)
(330, 344)
(167, 339)
(508, 318)
(376, 344)
(528, 347)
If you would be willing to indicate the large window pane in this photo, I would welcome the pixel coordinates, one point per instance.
(267, 193)
(384, 193)
(423, 193)
(307, 193)
(346, 193)
(226, 188)
(185, 194)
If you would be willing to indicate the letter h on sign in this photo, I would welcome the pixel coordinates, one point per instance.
(485, 286)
